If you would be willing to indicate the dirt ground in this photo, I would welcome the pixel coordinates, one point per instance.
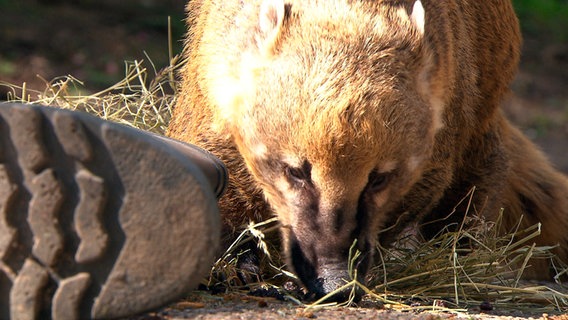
(90, 40)
(234, 306)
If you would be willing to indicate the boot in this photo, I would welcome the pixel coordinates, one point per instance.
(100, 220)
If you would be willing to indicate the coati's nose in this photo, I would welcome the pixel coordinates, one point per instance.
(333, 281)
(327, 273)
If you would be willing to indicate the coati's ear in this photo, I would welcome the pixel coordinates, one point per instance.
(270, 22)
(417, 16)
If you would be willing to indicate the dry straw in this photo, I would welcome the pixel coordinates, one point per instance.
(459, 269)
(135, 101)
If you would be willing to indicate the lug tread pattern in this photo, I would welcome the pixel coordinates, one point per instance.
(72, 137)
(25, 131)
(7, 232)
(88, 217)
(69, 295)
(26, 293)
(42, 217)
(29, 149)
(83, 221)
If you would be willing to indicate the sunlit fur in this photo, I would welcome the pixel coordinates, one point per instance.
(353, 89)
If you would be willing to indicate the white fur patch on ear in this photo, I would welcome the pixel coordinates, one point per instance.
(418, 16)
(270, 22)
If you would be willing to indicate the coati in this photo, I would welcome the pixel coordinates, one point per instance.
(352, 119)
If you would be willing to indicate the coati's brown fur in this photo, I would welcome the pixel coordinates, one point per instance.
(354, 119)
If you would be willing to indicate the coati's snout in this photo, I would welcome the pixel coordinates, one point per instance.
(330, 206)
(328, 219)
(328, 271)
(333, 189)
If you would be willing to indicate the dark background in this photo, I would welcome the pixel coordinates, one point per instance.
(91, 39)
(88, 39)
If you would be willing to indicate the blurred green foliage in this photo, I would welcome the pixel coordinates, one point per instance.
(544, 18)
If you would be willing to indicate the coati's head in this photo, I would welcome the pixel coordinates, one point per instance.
(333, 107)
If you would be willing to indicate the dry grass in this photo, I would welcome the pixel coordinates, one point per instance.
(140, 100)
(439, 274)
(469, 266)
(455, 271)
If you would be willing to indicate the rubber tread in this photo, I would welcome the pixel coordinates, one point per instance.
(72, 136)
(88, 217)
(83, 216)
(69, 295)
(26, 294)
(44, 206)
(7, 192)
(26, 135)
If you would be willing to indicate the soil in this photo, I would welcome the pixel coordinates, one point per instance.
(91, 39)
(239, 306)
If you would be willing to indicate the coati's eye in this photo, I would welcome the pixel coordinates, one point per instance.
(378, 181)
(299, 174)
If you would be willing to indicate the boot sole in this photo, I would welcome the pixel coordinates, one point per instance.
(97, 220)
